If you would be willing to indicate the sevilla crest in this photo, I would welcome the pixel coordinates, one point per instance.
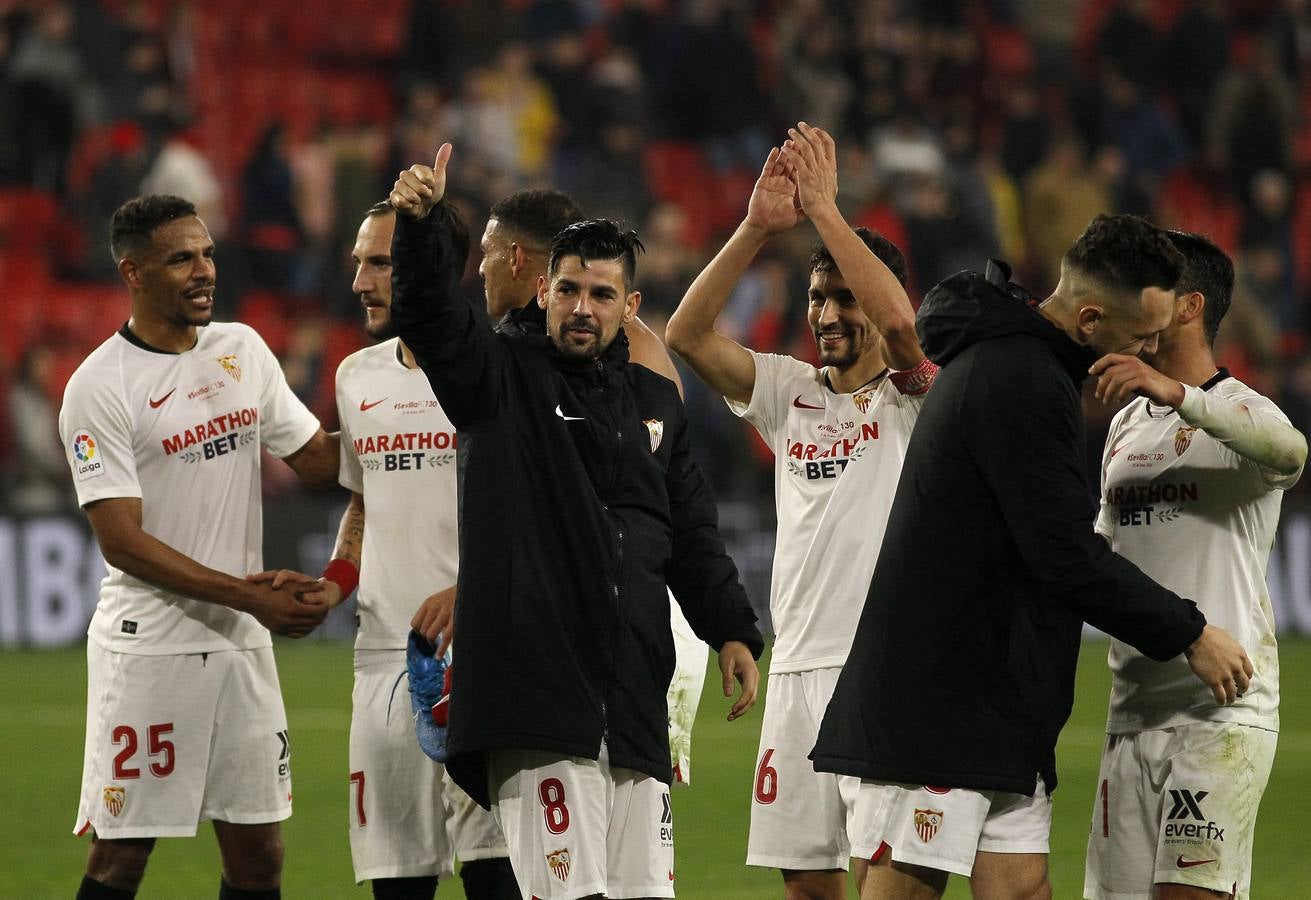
(656, 429)
(1182, 438)
(927, 823)
(863, 400)
(115, 797)
(558, 860)
(229, 364)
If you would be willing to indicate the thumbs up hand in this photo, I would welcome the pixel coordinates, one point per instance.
(419, 188)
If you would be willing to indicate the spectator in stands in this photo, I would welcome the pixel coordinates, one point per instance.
(39, 482)
(1253, 118)
(272, 227)
(48, 73)
(1196, 55)
(1061, 196)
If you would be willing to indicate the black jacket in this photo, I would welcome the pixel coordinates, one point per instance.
(962, 669)
(580, 503)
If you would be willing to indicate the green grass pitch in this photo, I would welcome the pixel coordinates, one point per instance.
(41, 733)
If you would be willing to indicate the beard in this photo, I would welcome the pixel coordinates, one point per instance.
(379, 326)
(840, 357)
(568, 342)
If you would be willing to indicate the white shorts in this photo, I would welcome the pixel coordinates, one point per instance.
(943, 828)
(684, 693)
(397, 812)
(576, 827)
(800, 818)
(1177, 806)
(172, 741)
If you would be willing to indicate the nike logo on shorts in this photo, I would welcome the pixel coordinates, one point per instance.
(1189, 863)
(561, 414)
(156, 404)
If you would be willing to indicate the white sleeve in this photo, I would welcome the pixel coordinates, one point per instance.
(1252, 427)
(767, 410)
(96, 429)
(350, 474)
(286, 424)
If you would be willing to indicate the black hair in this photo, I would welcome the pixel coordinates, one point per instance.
(1126, 254)
(135, 221)
(448, 213)
(597, 239)
(536, 216)
(822, 261)
(1208, 271)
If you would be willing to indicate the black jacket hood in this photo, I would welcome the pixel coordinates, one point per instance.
(970, 307)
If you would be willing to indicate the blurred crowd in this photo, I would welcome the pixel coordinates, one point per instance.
(967, 129)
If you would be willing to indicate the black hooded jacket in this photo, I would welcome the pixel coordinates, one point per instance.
(580, 502)
(962, 669)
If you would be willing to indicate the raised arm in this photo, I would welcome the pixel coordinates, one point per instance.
(127, 547)
(721, 362)
(646, 349)
(451, 341)
(810, 157)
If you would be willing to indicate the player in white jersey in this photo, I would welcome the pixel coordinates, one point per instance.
(163, 426)
(839, 435)
(1192, 478)
(407, 819)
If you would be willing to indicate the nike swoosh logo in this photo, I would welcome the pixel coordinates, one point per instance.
(156, 404)
(1118, 449)
(559, 413)
(365, 406)
(797, 402)
(1189, 863)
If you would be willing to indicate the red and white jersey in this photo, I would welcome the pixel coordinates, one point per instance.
(181, 431)
(837, 458)
(1200, 519)
(398, 450)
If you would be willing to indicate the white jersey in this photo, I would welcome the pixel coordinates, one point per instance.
(1200, 519)
(182, 432)
(837, 459)
(398, 450)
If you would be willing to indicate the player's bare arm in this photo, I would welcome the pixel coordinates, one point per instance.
(1266, 440)
(126, 546)
(721, 362)
(737, 664)
(810, 157)
(343, 573)
(316, 462)
(436, 616)
(645, 349)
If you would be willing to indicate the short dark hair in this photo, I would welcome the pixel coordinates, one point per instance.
(822, 261)
(445, 210)
(1208, 271)
(1126, 254)
(597, 239)
(135, 221)
(536, 216)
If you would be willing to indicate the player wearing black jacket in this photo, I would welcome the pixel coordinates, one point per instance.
(961, 673)
(580, 504)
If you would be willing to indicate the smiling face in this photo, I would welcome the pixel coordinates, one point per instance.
(372, 284)
(843, 333)
(586, 305)
(173, 280)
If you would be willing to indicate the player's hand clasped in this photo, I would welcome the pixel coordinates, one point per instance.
(1119, 377)
(295, 612)
(811, 159)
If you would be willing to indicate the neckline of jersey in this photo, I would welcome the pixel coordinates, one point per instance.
(135, 340)
(1220, 375)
